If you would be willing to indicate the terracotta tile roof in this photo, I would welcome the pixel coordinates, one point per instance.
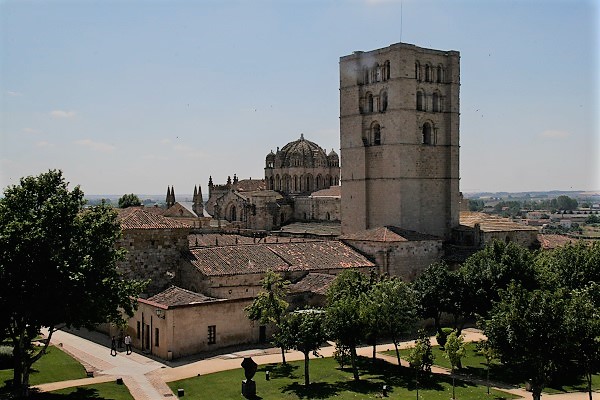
(281, 257)
(313, 283)
(332, 191)
(250, 185)
(491, 223)
(219, 239)
(388, 234)
(136, 218)
(176, 296)
(550, 241)
(318, 255)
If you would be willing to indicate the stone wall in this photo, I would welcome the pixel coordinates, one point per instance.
(153, 254)
(317, 208)
(405, 260)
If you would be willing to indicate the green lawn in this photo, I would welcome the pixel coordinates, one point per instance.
(329, 381)
(101, 391)
(474, 364)
(54, 366)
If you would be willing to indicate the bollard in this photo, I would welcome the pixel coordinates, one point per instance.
(268, 375)
(384, 391)
(119, 381)
(180, 393)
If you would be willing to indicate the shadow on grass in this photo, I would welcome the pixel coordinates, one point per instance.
(79, 394)
(280, 370)
(316, 390)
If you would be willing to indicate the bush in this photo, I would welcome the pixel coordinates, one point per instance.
(6, 357)
(443, 336)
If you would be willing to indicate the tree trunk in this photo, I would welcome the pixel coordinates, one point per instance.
(588, 378)
(306, 377)
(374, 352)
(283, 355)
(397, 352)
(353, 361)
(536, 392)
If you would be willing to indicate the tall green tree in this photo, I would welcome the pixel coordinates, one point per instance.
(390, 309)
(527, 329)
(129, 200)
(270, 305)
(343, 313)
(434, 293)
(573, 266)
(304, 331)
(57, 266)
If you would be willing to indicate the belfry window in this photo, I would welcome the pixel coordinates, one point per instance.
(386, 71)
(436, 102)
(370, 103)
(440, 74)
(376, 131)
(384, 101)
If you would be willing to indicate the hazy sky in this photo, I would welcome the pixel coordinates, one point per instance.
(128, 96)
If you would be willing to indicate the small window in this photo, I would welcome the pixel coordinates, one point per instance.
(427, 73)
(370, 103)
(386, 71)
(418, 71)
(427, 133)
(440, 74)
(384, 101)
(212, 334)
(376, 134)
(436, 102)
(156, 337)
(138, 330)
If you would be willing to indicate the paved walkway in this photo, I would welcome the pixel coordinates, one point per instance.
(145, 378)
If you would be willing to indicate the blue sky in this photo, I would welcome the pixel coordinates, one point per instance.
(129, 96)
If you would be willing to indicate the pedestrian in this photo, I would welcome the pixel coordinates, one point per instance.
(113, 347)
(128, 344)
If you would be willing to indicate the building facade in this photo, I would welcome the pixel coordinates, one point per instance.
(399, 134)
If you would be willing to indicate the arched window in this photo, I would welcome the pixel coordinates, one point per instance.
(233, 213)
(420, 105)
(436, 102)
(440, 74)
(295, 183)
(427, 73)
(318, 182)
(418, 71)
(336, 181)
(369, 102)
(277, 183)
(376, 134)
(377, 73)
(426, 133)
(384, 101)
(271, 183)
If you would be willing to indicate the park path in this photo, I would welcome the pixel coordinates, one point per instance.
(146, 378)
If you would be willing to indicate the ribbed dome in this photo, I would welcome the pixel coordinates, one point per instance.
(302, 153)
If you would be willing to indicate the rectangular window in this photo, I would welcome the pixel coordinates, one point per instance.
(212, 334)
(156, 337)
(138, 330)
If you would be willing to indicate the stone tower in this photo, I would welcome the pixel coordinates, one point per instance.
(198, 203)
(170, 200)
(399, 131)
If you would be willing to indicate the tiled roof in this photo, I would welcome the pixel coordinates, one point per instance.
(549, 241)
(314, 283)
(313, 228)
(490, 223)
(332, 191)
(176, 296)
(281, 257)
(219, 239)
(136, 218)
(388, 234)
(329, 254)
(250, 185)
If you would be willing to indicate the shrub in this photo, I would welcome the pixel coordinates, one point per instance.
(443, 336)
(6, 357)
(341, 354)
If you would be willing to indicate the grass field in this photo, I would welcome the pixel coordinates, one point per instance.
(101, 391)
(474, 364)
(54, 366)
(330, 381)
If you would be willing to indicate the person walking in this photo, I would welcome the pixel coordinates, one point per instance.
(113, 347)
(128, 344)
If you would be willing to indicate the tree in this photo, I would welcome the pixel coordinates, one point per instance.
(343, 317)
(433, 291)
(566, 203)
(304, 331)
(454, 351)
(129, 200)
(57, 266)
(270, 305)
(527, 330)
(583, 324)
(573, 266)
(489, 353)
(390, 308)
(421, 357)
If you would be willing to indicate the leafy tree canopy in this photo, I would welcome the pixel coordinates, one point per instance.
(57, 265)
(129, 200)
